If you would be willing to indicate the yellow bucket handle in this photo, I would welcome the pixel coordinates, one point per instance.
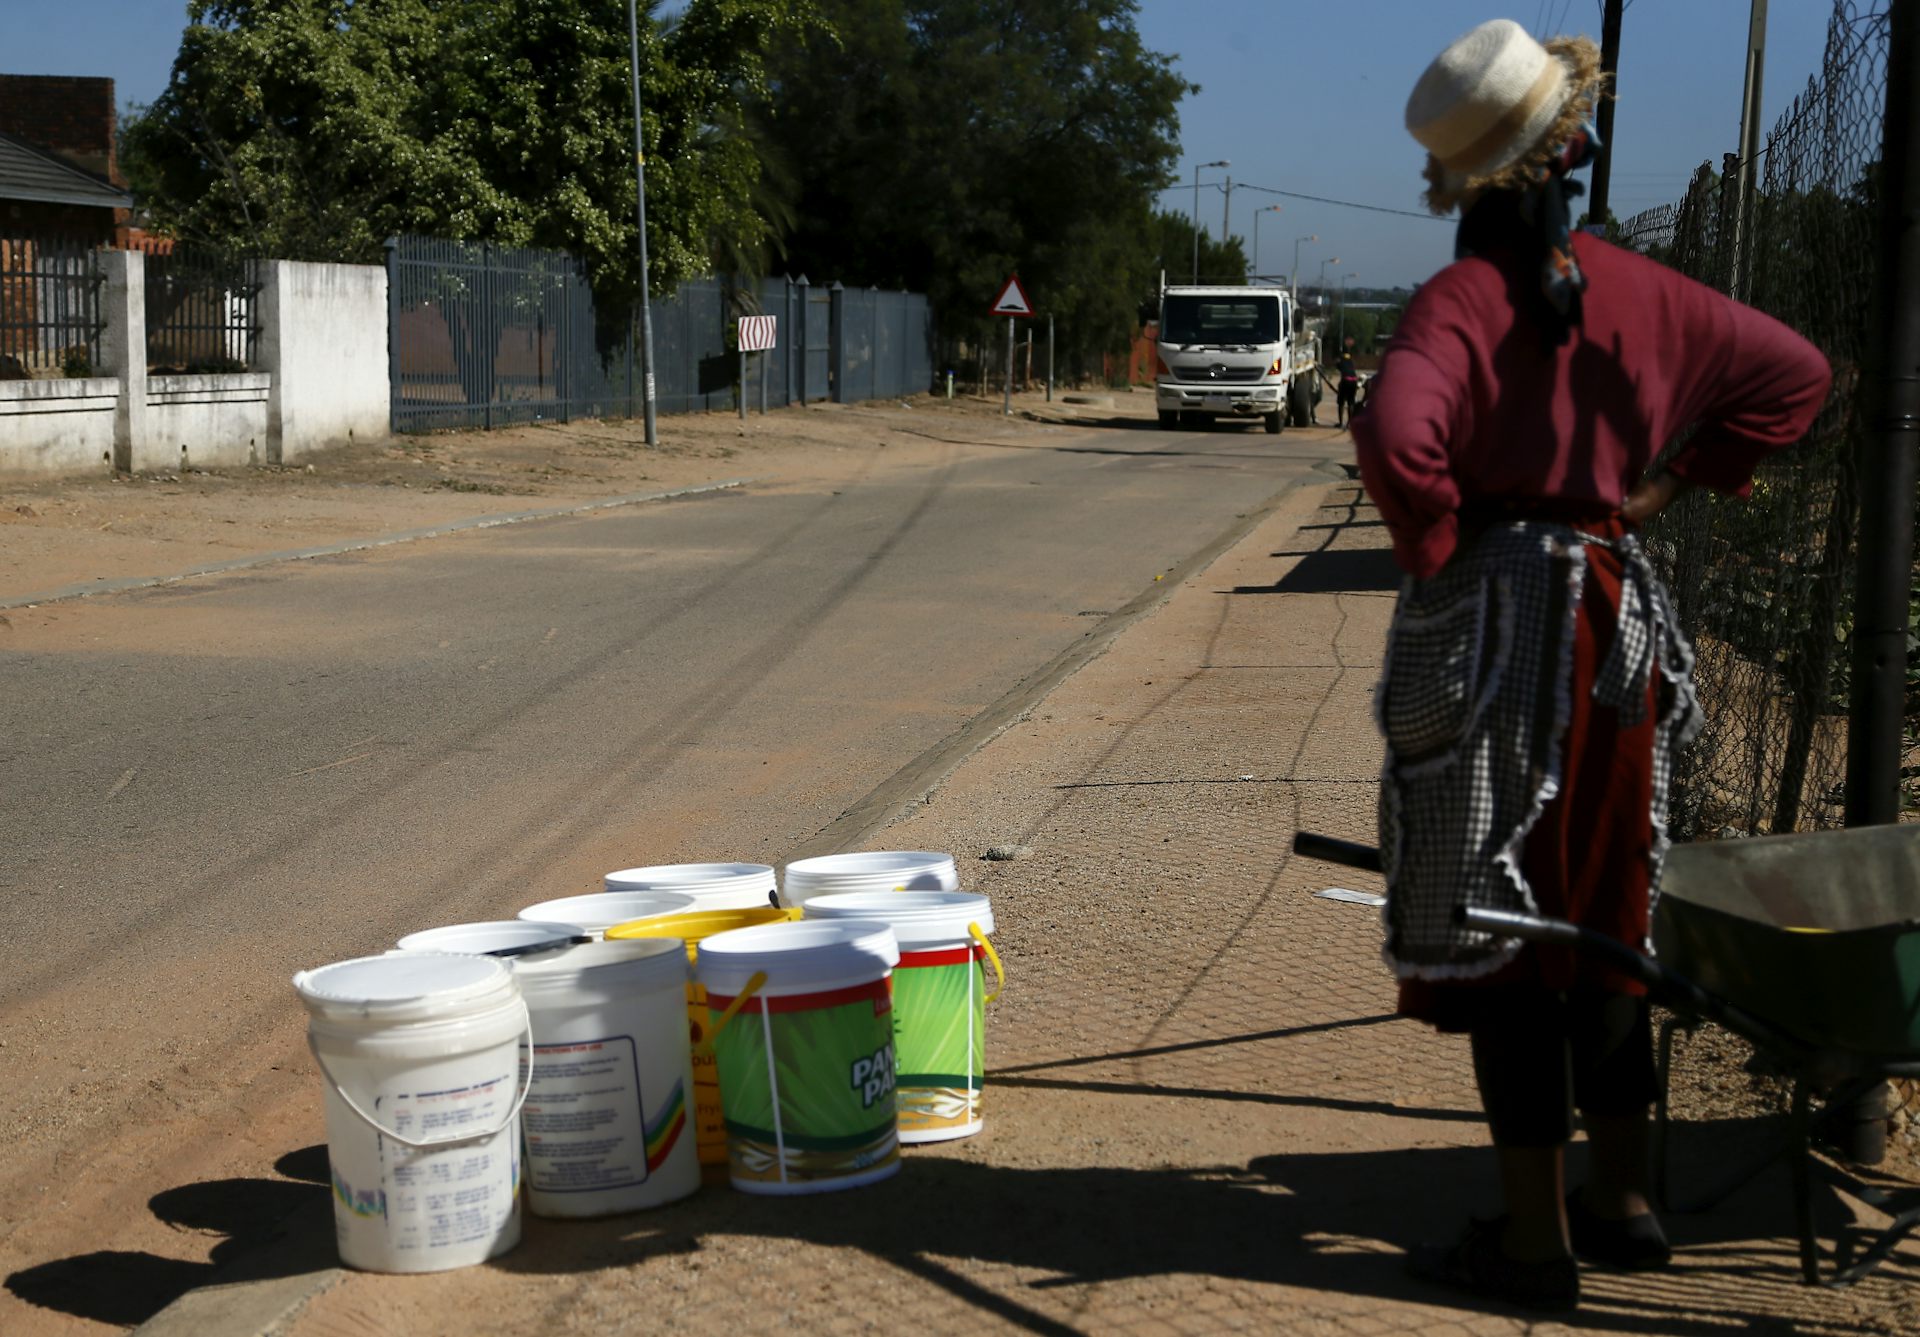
(999, 971)
(758, 978)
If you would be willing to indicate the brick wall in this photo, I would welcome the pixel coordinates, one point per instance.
(72, 117)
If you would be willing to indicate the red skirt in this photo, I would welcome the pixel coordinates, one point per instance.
(1589, 857)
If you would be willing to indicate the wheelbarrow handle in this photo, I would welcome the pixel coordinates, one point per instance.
(1559, 933)
(1348, 852)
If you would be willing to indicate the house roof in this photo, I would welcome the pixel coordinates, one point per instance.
(28, 173)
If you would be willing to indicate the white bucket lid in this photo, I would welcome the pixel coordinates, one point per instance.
(919, 918)
(801, 957)
(601, 910)
(603, 968)
(903, 866)
(493, 935)
(405, 987)
(694, 878)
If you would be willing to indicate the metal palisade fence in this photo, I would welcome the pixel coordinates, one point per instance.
(50, 322)
(1765, 586)
(487, 336)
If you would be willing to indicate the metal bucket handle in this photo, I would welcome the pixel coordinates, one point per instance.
(429, 1143)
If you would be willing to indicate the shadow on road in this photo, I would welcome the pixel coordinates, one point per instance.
(127, 1288)
(1327, 569)
(1333, 1223)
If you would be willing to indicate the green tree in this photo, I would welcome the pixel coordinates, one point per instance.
(946, 143)
(314, 129)
(1172, 242)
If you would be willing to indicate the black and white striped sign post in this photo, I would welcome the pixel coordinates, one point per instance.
(757, 335)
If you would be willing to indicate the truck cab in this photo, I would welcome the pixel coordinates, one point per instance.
(1230, 352)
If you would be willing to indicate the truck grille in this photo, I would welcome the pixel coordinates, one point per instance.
(1202, 374)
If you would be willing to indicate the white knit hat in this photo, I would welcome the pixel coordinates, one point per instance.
(1488, 99)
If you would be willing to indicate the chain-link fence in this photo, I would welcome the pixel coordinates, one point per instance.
(1765, 587)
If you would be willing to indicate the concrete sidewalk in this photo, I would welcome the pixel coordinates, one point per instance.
(1202, 1114)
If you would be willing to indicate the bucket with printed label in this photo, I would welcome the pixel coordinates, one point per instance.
(496, 937)
(693, 929)
(713, 886)
(601, 910)
(420, 1055)
(607, 1121)
(940, 1001)
(803, 1031)
(870, 870)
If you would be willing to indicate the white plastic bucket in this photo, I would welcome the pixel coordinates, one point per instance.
(608, 1121)
(494, 937)
(939, 1002)
(803, 1034)
(872, 870)
(420, 1055)
(713, 886)
(600, 911)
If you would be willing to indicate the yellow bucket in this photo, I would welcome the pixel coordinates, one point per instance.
(710, 1128)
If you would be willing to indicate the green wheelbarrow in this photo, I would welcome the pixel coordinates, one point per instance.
(1808, 947)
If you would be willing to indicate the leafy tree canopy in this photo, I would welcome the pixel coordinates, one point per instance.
(944, 144)
(314, 129)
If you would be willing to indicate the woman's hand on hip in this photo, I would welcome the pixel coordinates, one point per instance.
(1651, 497)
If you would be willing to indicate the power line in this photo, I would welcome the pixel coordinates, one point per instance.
(1344, 204)
(1317, 199)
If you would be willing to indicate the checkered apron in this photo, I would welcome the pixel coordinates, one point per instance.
(1473, 703)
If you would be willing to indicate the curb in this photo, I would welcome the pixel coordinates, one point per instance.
(359, 545)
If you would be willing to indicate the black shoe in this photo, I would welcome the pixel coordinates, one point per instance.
(1637, 1244)
(1479, 1266)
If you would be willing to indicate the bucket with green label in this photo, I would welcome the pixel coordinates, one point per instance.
(939, 1001)
(803, 1034)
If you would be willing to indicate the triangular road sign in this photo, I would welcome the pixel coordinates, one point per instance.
(1012, 300)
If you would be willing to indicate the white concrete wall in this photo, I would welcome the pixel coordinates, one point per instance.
(206, 421)
(324, 337)
(321, 380)
(57, 427)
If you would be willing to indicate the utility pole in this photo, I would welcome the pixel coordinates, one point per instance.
(1603, 115)
(1293, 276)
(1268, 209)
(1196, 211)
(1887, 474)
(1742, 276)
(640, 206)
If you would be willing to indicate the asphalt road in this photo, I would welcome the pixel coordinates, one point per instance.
(211, 785)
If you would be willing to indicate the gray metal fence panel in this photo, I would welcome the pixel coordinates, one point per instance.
(818, 356)
(484, 336)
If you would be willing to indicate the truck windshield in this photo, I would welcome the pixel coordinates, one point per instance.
(1186, 319)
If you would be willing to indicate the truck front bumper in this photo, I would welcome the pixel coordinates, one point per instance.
(1245, 400)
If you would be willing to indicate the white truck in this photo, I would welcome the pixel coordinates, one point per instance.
(1234, 352)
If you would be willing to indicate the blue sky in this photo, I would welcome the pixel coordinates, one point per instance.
(1301, 95)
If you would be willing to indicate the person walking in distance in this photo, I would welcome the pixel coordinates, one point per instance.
(1347, 388)
(1537, 682)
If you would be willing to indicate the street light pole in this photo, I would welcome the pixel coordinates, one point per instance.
(1343, 309)
(1293, 275)
(1196, 209)
(1226, 213)
(1322, 286)
(1269, 209)
(651, 417)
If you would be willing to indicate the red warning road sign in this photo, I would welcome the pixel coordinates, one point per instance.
(1012, 300)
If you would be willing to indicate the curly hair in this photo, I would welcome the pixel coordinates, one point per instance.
(1444, 194)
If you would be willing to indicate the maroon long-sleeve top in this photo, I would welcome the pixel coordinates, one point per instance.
(1472, 405)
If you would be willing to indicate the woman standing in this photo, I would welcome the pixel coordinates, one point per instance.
(1536, 682)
